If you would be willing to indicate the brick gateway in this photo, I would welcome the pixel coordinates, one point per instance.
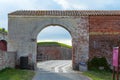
(93, 32)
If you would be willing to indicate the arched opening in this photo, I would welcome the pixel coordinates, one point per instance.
(22, 36)
(54, 43)
(3, 45)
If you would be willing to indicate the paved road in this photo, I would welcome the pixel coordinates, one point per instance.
(57, 70)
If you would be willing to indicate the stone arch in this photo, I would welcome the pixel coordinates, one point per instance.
(3, 45)
(56, 22)
(24, 28)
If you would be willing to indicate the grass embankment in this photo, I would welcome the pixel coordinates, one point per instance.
(99, 75)
(16, 74)
(53, 44)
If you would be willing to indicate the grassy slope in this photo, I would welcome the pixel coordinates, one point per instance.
(99, 75)
(16, 74)
(53, 44)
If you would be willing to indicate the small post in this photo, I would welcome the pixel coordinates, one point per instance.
(113, 73)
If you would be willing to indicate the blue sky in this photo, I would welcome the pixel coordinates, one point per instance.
(55, 33)
(7, 6)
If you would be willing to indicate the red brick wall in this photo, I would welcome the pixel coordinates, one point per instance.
(53, 53)
(104, 35)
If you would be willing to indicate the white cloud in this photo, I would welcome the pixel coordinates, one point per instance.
(18, 4)
(7, 6)
(63, 3)
(87, 4)
(69, 4)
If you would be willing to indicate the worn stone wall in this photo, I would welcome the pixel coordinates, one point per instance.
(104, 35)
(81, 40)
(94, 33)
(53, 53)
(23, 31)
(3, 36)
(7, 59)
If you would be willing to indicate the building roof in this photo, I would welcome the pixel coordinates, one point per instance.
(64, 12)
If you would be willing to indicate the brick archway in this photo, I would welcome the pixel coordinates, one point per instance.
(24, 27)
(3, 45)
(66, 25)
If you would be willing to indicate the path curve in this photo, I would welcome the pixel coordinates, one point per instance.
(57, 70)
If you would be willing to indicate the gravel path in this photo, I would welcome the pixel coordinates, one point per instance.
(57, 70)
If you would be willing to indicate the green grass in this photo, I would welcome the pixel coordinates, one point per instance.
(53, 44)
(16, 74)
(3, 30)
(99, 75)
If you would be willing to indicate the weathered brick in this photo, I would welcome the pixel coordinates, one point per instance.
(106, 31)
(53, 53)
